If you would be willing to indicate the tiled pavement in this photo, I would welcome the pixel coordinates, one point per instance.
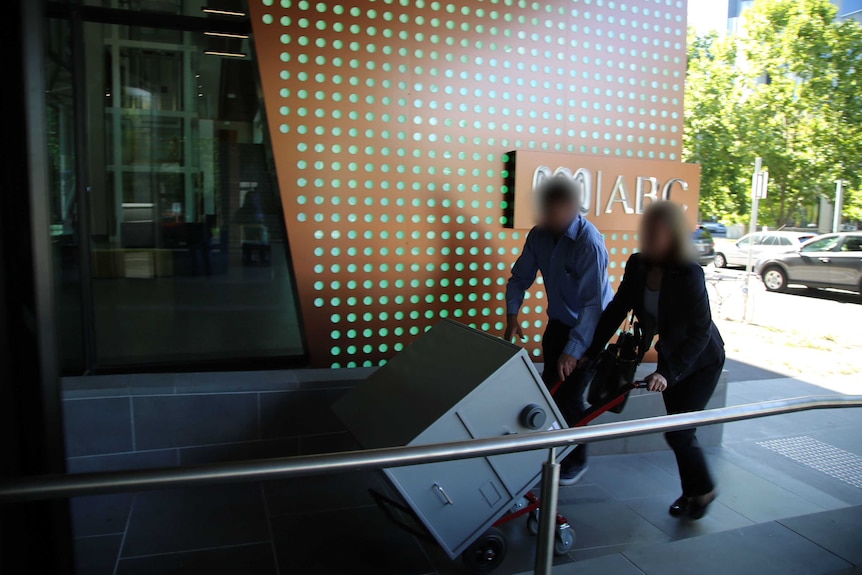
(774, 515)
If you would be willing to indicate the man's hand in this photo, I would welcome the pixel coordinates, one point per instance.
(566, 365)
(513, 328)
(656, 382)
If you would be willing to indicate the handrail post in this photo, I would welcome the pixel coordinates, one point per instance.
(548, 514)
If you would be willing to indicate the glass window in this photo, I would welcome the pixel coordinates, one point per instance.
(826, 244)
(852, 244)
(770, 240)
(65, 231)
(212, 9)
(784, 241)
(744, 242)
(189, 257)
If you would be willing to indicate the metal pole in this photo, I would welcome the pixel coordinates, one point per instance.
(548, 514)
(839, 206)
(752, 228)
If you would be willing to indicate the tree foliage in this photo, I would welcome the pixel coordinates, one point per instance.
(788, 88)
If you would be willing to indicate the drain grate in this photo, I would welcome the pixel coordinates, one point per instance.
(842, 465)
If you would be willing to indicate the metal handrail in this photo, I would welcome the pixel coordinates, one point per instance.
(46, 487)
(58, 486)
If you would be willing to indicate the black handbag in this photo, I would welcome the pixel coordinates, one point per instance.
(615, 367)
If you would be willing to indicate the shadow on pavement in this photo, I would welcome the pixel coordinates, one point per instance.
(831, 295)
(741, 371)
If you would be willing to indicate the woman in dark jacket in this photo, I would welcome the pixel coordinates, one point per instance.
(667, 292)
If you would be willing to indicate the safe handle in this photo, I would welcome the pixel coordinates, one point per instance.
(446, 499)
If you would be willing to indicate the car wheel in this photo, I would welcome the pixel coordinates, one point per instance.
(774, 278)
(720, 261)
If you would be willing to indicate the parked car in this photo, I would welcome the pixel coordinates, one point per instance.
(762, 244)
(704, 246)
(715, 228)
(827, 261)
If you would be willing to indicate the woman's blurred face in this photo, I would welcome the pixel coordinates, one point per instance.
(656, 240)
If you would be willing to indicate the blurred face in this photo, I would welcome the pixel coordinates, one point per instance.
(557, 216)
(656, 240)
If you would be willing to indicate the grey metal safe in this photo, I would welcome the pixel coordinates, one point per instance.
(455, 383)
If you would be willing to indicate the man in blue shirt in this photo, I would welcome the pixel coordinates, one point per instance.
(570, 252)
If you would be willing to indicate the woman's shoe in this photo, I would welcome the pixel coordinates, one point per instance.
(679, 507)
(697, 506)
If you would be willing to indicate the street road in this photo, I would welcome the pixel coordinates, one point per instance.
(811, 334)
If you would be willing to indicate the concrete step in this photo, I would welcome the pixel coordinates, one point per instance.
(823, 543)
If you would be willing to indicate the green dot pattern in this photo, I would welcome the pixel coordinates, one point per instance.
(391, 121)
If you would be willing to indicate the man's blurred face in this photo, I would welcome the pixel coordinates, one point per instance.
(558, 205)
(557, 216)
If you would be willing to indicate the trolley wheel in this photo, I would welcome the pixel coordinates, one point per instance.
(533, 522)
(486, 553)
(564, 540)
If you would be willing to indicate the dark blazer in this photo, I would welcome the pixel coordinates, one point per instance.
(688, 339)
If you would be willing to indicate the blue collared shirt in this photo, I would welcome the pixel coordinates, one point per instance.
(575, 274)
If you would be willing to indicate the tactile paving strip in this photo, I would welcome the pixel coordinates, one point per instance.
(838, 463)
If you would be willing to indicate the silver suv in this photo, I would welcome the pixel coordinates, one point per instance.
(761, 244)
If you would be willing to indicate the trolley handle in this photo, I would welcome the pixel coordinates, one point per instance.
(634, 385)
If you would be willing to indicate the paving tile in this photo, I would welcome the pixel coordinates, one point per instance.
(838, 531)
(345, 376)
(520, 554)
(345, 543)
(589, 553)
(196, 518)
(810, 484)
(96, 555)
(774, 388)
(719, 518)
(321, 493)
(100, 514)
(754, 497)
(96, 426)
(843, 438)
(631, 476)
(292, 413)
(122, 461)
(189, 420)
(608, 523)
(740, 371)
(239, 451)
(232, 381)
(615, 564)
(766, 549)
(791, 424)
(327, 443)
(118, 385)
(255, 559)
(581, 494)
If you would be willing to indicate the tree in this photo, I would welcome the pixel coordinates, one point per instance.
(712, 118)
(791, 94)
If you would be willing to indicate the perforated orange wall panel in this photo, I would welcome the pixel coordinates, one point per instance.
(391, 121)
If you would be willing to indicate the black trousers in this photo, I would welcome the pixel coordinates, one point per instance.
(692, 394)
(571, 397)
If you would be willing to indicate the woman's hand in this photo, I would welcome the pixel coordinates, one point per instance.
(656, 382)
